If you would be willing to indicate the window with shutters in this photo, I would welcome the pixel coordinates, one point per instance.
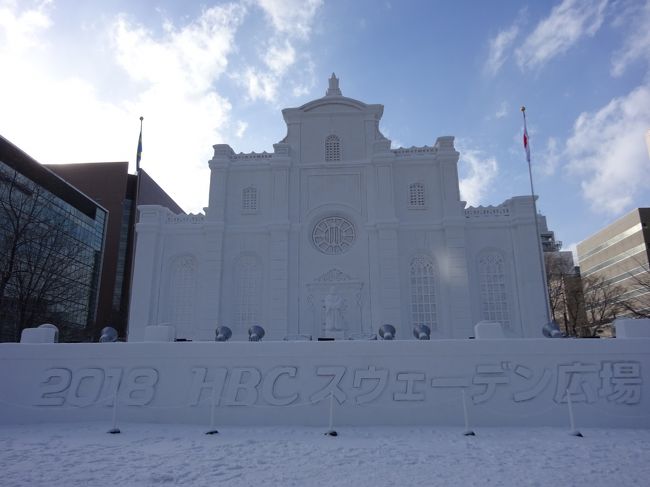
(249, 291)
(332, 148)
(423, 292)
(416, 196)
(249, 200)
(494, 295)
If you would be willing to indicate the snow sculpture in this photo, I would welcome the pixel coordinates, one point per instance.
(334, 205)
(333, 305)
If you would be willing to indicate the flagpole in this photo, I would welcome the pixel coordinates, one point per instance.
(540, 252)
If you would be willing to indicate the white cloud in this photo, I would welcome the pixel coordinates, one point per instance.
(502, 111)
(607, 150)
(567, 23)
(292, 23)
(20, 31)
(549, 159)
(279, 57)
(637, 41)
(477, 173)
(167, 77)
(499, 47)
(241, 129)
(190, 57)
(291, 17)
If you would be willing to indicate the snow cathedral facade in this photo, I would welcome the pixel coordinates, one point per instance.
(334, 234)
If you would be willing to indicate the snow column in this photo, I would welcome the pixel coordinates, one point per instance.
(386, 243)
(279, 232)
(457, 281)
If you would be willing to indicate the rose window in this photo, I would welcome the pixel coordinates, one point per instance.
(333, 235)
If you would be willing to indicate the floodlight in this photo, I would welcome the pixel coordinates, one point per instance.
(108, 334)
(255, 333)
(387, 332)
(552, 330)
(422, 332)
(222, 334)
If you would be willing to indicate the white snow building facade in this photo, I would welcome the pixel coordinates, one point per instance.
(334, 234)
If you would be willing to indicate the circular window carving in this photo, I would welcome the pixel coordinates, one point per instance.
(333, 235)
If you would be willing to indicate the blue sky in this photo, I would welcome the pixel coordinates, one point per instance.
(76, 76)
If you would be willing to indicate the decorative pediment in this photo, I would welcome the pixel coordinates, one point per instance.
(334, 275)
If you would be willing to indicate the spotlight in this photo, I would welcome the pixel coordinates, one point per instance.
(387, 332)
(108, 334)
(223, 334)
(255, 333)
(53, 327)
(552, 330)
(422, 332)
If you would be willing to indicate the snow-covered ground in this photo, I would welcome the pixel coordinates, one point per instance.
(149, 454)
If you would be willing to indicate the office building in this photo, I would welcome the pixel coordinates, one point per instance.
(51, 242)
(110, 184)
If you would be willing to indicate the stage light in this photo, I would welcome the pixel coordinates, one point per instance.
(255, 333)
(108, 334)
(387, 332)
(422, 332)
(223, 334)
(552, 330)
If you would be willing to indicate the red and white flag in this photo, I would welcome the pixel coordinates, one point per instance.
(526, 145)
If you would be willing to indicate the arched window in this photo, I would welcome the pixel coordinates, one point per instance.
(416, 195)
(332, 148)
(249, 290)
(423, 292)
(249, 199)
(182, 292)
(494, 294)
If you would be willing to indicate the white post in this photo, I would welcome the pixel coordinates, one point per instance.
(114, 430)
(331, 423)
(468, 431)
(330, 430)
(212, 430)
(574, 431)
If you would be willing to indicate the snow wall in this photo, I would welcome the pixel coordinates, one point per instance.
(514, 382)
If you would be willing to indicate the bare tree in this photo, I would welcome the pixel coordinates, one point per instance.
(40, 269)
(565, 292)
(602, 302)
(635, 300)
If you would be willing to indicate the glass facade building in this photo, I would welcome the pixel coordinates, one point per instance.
(51, 244)
(111, 185)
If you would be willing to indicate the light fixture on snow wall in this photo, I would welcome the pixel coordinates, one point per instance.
(222, 334)
(108, 335)
(552, 330)
(255, 333)
(422, 332)
(387, 332)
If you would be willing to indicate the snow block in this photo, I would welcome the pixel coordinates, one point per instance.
(159, 333)
(507, 382)
(488, 330)
(38, 335)
(629, 328)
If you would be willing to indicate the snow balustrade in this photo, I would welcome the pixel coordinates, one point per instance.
(507, 382)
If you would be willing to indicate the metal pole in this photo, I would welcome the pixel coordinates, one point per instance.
(540, 251)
